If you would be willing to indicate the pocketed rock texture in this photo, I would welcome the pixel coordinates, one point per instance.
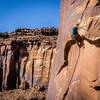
(75, 72)
(26, 62)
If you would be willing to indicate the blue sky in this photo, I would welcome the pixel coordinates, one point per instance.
(28, 14)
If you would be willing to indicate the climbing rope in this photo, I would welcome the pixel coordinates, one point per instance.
(71, 76)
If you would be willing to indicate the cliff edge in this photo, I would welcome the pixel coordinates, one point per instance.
(25, 60)
(26, 56)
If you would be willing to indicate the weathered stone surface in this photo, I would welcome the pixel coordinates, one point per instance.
(25, 63)
(80, 78)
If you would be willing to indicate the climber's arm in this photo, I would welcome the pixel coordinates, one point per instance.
(82, 27)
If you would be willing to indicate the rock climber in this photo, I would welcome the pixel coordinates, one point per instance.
(75, 36)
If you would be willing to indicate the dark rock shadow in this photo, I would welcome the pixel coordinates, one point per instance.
(66, 52)
(13, 80)
(1, 77)
(93, 42)
(97, 88)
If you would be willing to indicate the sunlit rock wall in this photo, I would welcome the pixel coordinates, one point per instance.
(25, 61)
(79, 78)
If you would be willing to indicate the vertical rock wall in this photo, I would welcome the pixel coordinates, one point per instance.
(25, 62)
(79, 77)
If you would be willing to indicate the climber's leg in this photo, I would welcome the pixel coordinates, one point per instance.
(78, 40)
(79, 44)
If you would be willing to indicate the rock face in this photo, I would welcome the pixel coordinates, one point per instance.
(79, 78)
(24, 63)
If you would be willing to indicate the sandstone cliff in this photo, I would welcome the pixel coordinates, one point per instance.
(26, 61)
(79, 78)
